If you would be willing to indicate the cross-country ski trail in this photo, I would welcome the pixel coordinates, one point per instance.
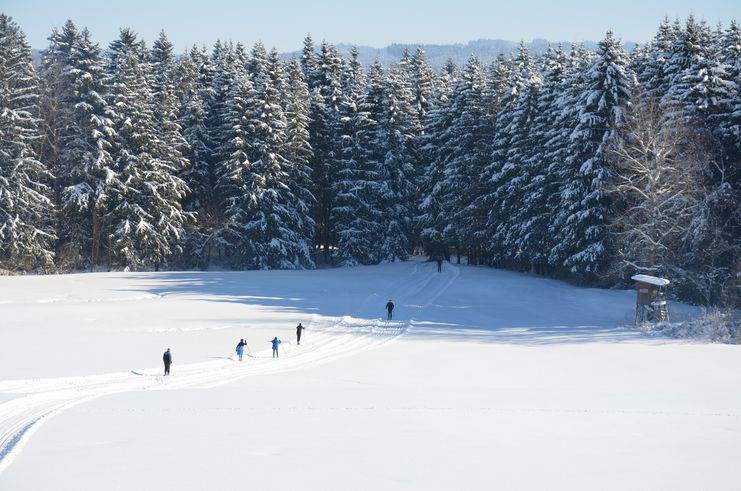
(330, 338)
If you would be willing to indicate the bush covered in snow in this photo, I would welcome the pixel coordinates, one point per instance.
(713, 325)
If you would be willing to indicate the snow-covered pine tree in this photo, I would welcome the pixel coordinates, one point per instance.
(265, 220)
(91, 181)
(166, 101)
(716, 271)
(422, 83)
(584, 199)
(534, 213)
(325, 117)
(702, 82)
(451, 215)
(56, 103)
(471, 133)
(194, 81)
(26, 233)
(309, 63)
(727, 123)
(290, 231)
(558, 151)
(166, 106)
(126, 44)
(242, 58)
(398, 192)
(498, 81)
(146, 218)
(434, 151)
(227, 71)
(297, 152)
(697, 77)
(446, 80)
(516, 173)
(235, 176)
(257, 67)
(423, 87)
(506, 85)
(650, 62)
(355, 214)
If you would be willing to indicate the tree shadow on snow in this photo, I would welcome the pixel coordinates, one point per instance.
(501, 307)
(534, 336)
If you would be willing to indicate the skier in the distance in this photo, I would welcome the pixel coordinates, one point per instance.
(390, 309)
(299, 328)
(167, 359)
(275, 342)
(240, 348)
(439, 264)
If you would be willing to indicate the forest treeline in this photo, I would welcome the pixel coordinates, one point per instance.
(576, 164)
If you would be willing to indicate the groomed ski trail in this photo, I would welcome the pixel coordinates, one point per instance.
(328, 339)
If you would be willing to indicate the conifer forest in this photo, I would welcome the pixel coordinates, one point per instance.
(576, 164)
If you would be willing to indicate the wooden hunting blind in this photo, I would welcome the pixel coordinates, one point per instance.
(651, 302)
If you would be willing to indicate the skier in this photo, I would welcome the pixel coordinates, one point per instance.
(167, 358)
(240, 348)
(275, 342)
(299, 328)
(389, 309)
(439, 264)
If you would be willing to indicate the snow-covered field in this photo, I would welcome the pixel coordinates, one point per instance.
(487, 380)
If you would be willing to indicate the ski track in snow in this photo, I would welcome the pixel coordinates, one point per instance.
(72, 299)
(330, 338)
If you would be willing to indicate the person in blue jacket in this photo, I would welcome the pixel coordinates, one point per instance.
(240, 348)
(275, 342)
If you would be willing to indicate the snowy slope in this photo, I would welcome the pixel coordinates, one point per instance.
(488, 379)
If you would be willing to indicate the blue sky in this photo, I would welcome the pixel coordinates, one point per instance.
(283, 24)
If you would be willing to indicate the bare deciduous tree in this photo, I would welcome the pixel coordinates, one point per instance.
(657, 189)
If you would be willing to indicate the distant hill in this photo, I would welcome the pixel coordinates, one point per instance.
(438, 54)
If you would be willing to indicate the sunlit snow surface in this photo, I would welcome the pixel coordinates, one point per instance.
(485, 379)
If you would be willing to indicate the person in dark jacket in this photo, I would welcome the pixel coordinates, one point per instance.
(275, 342)
(167, 359)
(390, 309)
(240, 348)
(439, 264)
(299, 328)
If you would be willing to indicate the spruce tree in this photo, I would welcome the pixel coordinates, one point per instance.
(608, 88)
(559, 149)
(26, 234)
(327, 102)
(309, 63)
(541, 187)
(91, 181)
(146, 217)
(434, 150)
(194, 82)
(468, 154)
(355, 215)
(651, 63)
(696, 77)
(516, 172)
(56, 102)
(398, 191)
(166, 104)
(298, 152)
(267, 222)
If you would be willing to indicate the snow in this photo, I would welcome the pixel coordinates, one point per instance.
(651, 280)
(488, 380)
